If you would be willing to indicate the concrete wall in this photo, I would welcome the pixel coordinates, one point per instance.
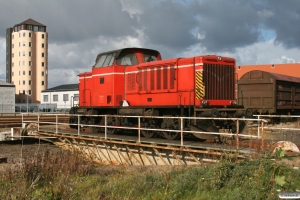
(7, 99)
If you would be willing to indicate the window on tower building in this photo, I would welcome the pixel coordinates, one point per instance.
(12, 54)
(42, 28)
(43, 36)
(43, 64)
(29, 53)
(13, 45)
(29, 83)
(43, 45)
(12, 73)
(29, 27)
(23, 82)
(29, 73)
(29, 44)
(35, 28)
(23, 72)
(23, 53)
(29, 34)
(24, 34)
(43, 54)
(43, 82)
(29, 92)
(43, 73)
(23, 63)
(24, 44)
(29, 63)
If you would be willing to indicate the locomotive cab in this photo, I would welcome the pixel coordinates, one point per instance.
(104, 86)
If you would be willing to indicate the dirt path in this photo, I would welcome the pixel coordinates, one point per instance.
(13, 152)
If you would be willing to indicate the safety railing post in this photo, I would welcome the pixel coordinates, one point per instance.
(258, 128)
(139, 131)
(22, 120)
(105, 126)
(262, 135)
(38, 116)
(181, 131)
(56, 124)
(78, 125)
(237, 134)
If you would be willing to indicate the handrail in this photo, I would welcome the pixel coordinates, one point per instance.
(182, 132)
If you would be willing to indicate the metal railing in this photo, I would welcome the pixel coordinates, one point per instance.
(237, 135)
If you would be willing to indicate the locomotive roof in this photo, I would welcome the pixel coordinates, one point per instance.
(118, 51)
(278, 77)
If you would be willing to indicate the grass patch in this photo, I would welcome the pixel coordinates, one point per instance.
(63, 175)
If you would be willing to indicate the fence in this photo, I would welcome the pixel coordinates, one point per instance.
(29, 107)
(55, 126)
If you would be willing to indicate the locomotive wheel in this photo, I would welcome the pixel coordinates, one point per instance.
(73, 121)
(171, 135)
(149, 133)
(92, 121)
(171, 124)
(111, 121)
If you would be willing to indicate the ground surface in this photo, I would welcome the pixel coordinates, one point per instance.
(16, 151)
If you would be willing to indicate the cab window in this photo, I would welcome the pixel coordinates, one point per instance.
(127, 59)
(105, 60)
(149, 58)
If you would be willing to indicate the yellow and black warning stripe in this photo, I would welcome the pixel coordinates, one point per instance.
(200, 88)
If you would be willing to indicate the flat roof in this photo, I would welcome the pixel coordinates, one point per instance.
(5, 84)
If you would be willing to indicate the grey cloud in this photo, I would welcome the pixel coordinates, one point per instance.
(82, 29)
(168, 24)
(227, 25)
(285, 21)
(75, 20)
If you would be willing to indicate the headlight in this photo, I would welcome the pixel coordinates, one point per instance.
(233, 103)
(204, 102)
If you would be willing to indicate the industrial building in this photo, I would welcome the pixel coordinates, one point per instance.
(7, 97)
(65, 96)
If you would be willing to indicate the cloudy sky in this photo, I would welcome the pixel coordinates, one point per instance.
(253, 32)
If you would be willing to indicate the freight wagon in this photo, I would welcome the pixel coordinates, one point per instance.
(269, 93)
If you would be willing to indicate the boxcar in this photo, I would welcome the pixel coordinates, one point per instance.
(269, 93)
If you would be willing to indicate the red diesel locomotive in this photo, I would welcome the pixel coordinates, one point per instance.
(137, 82)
